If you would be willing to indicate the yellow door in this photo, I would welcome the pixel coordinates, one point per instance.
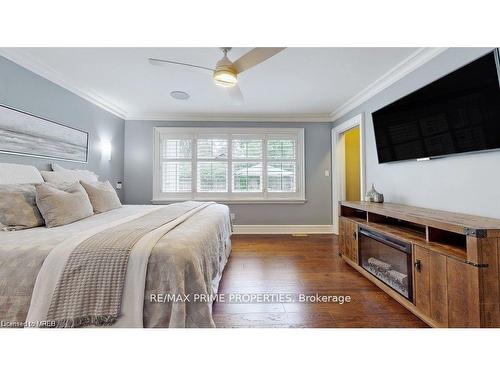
(352, 164)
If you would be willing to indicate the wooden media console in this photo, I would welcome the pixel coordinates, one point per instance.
(442, 266)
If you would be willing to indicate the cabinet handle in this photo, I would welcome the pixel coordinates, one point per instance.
(354, 235)
(418, 265)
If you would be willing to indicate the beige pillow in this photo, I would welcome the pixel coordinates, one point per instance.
(59, 207)
(18, 208)
(80, 174)
(102, 196)
(66, 178)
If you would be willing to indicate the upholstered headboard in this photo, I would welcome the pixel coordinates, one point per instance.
(19, 174)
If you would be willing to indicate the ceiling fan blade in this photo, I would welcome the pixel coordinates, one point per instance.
(254, 57)
(235, 94)
(163, 62)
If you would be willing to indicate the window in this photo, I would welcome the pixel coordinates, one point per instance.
(247, 164)
(281, 165)
(212, 165)
(229, 164)
(176, 165)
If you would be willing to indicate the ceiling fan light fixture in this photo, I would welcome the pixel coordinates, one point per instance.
(225, 73)
(225, 77)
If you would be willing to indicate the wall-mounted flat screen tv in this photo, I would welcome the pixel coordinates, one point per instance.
(458, 113)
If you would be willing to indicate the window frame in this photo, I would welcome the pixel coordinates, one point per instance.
(194, 134)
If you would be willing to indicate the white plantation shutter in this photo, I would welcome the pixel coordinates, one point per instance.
(250, 148)
(212, 164)
(176, 176)
(281, 149)
(247, 171)
(212, 176)
(176, 170)
(224, 164)
(177, 148)
(247, 177)
(212, 148)
(281, 177)
(281, 166)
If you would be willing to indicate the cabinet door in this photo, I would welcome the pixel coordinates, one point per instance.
(431, 286)
(422, 280)
(463, 294)
(348, 239)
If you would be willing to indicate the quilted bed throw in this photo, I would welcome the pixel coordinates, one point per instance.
(90, 288)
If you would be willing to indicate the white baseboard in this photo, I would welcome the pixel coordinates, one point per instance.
(282, 229)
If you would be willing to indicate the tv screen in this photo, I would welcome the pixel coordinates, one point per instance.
(458, 113)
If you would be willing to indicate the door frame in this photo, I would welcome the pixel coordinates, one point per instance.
(338, 158)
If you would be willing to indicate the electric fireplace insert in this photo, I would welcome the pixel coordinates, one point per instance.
(388, 259)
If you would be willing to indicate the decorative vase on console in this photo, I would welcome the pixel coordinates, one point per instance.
(374, 196)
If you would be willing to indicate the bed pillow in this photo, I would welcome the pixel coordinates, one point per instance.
(19, 174)
(80, 174)
(18, 208)
(60, 207)
(102, 196)
(64, 179)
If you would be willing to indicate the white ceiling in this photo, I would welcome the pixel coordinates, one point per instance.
(302, 83)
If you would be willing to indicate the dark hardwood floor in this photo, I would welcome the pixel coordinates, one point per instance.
(285, 264)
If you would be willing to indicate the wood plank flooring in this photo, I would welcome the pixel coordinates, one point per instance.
(285, 264)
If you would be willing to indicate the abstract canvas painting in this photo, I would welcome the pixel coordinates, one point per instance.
(22, 133)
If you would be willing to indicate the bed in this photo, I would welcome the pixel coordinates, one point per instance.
(187, 259)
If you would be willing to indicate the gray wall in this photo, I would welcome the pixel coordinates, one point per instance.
(24, 90)
(465, 183)
(317, 210)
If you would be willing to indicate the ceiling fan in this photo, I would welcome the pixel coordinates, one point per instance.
(226, 72)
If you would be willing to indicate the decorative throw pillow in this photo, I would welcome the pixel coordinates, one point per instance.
(102, 196)
(59, 207)
(64, 179)
(18, 208)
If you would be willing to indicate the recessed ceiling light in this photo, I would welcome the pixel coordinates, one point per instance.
(179, 95)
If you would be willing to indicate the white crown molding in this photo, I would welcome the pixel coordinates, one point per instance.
(412, 62)
(283, 229)
(38, 68)
(229, 117)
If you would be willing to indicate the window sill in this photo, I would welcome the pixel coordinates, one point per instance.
(250, 201)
